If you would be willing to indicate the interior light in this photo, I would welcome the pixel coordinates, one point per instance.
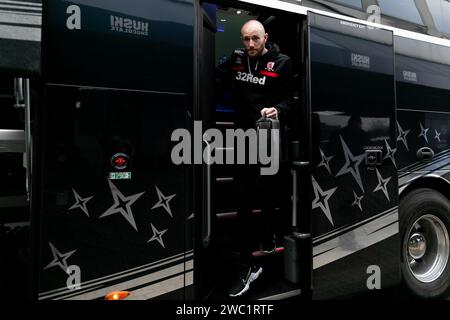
(239, 12)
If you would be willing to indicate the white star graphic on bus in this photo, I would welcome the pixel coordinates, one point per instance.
(163, 201)
(423, 132)
(325, 161)
(59, 259)
(157, 235)
(437, 136)
(382, 184)
(351, 164)
(402, 135)
(357, 200)
(390, 153)
(80, 202)
(321, 199)
(122, 205)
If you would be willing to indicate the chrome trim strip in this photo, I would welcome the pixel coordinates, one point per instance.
(356, 240)
(155, 289)
(342, 229)
(283, 295)
(160, 288)
(423, 111)
(417, 165)
(109, 278)
(432, 167)
(82, 87)
(416, 175)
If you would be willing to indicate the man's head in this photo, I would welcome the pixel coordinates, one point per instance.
(254, 38)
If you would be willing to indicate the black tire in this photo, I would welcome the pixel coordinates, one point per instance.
(424, 219)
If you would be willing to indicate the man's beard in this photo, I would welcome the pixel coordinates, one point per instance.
(254, 53)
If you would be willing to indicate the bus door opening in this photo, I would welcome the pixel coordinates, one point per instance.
(223, 250)
(15, 173)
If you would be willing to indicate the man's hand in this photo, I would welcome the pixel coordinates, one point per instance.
(270, 113)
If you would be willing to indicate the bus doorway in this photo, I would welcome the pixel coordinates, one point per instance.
(14, 186)
(218, 252)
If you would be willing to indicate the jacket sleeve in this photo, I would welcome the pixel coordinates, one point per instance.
(285, 89)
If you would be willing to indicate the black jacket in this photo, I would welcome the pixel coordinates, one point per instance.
(256, 83)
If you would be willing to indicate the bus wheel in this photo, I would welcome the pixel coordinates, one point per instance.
(425, 244)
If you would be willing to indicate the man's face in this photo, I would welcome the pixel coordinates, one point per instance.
(254, 41)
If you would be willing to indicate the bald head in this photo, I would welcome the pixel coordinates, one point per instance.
(254, 38)
(253, 25)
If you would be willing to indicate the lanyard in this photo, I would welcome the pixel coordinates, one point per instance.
(248, 64)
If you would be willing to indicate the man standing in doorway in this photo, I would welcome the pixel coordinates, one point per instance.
(258, 79)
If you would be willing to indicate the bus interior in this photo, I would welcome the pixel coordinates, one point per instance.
(14, 202)
(219, 36)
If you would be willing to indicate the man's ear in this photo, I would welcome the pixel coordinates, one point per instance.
(266, 36)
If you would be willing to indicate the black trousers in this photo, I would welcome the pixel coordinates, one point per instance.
(256, 192)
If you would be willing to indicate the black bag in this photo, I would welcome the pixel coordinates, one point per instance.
(269, 124)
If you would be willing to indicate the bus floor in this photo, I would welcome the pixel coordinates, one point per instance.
(270, 285)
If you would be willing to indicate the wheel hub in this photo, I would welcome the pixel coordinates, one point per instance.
(427, 248)
(417, 246)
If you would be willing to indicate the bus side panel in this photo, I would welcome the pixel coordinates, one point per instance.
(433, 135)
(354, 206)
(358, 271)
(116, 211)
(423, 97)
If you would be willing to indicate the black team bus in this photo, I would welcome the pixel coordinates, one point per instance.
(92, 205)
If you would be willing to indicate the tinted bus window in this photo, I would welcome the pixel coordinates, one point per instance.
(423, 80)
(115, 37)
(423, 97)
